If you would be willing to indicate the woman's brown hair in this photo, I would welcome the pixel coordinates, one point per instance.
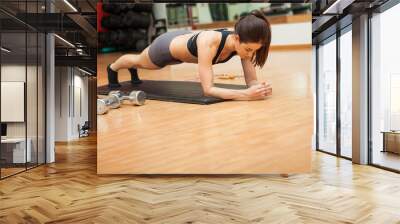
(255, 28)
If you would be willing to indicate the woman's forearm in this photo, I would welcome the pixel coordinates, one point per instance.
(252, 82)
(228, 94)
(249, 73)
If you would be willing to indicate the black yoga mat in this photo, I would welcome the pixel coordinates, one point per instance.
(174, 91)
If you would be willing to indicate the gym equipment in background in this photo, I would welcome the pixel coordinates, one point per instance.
(173, 91)
(160, 26)
(126, 26)
(118, 8)
(83, 130)
(126, 38)
(129, 19)
(218, 11)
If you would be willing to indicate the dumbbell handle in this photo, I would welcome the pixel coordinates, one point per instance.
(134, 97)
(124, 98)
(112, 101)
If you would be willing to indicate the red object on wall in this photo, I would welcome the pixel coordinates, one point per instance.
(100, 15)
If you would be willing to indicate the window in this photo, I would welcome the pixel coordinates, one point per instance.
(22, 76)
(327, 96)
(346, 93)
(385, 89)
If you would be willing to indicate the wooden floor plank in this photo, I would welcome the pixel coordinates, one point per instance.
(70, 191)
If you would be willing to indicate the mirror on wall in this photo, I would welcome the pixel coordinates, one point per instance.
(204, 13)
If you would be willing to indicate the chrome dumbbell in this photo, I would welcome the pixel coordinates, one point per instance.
(114, 99)
(107, 103)
(134, 97)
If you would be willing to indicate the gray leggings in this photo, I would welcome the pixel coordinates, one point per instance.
(159, 50)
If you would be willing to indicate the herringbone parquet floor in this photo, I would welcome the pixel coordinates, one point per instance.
(69, 191)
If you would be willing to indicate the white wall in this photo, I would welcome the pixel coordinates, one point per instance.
(61, 103)
(203, 13)
(284, 34)
(12, 101)
(80, 96)
(14, 72)
(71, 95)
(33, 127)
(291, 34)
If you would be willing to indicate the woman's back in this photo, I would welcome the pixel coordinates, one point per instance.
(179, 45)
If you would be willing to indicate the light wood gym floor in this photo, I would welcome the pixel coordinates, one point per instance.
(269, 136)
(70, 191)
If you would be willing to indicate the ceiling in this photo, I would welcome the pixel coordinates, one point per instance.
(330, 15)
(38, 6)
(76, 25)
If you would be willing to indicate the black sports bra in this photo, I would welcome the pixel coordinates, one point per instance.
(192, 45)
